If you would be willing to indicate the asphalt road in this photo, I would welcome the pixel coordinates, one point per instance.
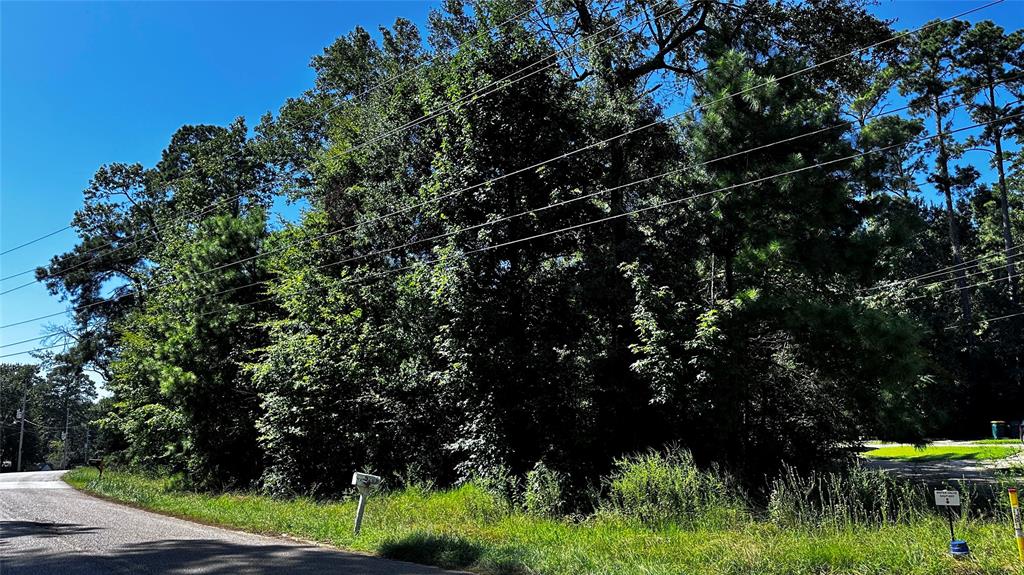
(46, 527)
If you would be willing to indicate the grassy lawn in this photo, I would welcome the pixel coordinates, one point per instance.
(998, 441)
(940, 453)
(468, 528)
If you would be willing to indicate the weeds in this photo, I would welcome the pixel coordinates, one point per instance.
(666, 487)
(841, 499)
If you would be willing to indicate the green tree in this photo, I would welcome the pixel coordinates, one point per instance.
(991, 61)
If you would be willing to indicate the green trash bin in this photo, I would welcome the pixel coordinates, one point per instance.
(999, 430)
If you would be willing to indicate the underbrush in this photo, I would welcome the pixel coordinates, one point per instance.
(659, 514)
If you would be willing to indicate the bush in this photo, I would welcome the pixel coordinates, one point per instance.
(854, 495)
(661, 487)
(503, 485)
(543, 495)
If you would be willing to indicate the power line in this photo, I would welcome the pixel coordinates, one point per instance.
(944, 270)
(320, 236)
(508, 217)
(597, 221)
(958, 288)
(989, 320)
(470, 97)
(386, 82)
(30, 242)
(590, 146)
(659, 121)
(762, 84)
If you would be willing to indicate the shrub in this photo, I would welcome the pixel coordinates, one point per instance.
(854, 495)
(661, 487)
(543, 496)
(503, 485)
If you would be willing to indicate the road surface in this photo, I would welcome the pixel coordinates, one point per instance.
(979, 473)
(48, 528)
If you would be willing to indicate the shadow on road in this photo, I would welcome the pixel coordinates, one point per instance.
(181, 556)
(12, 529)
(445, 551)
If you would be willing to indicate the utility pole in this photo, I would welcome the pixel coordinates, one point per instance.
(87, 444)
(21, 434)
(64, 437)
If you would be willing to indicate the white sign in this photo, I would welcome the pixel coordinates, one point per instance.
(947, 498)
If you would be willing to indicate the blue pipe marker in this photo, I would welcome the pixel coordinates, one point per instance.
(958, 548)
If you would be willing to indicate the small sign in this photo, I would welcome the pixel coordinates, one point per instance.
(947, 498)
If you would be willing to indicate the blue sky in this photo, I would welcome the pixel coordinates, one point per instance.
(88, 83)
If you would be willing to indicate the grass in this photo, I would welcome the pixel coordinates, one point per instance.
(940, 453)
(468, 528)
(998, 442)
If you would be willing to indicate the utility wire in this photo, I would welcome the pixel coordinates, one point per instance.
(673, 116)
(948, 269)
(244, 260)
(473, 96)
(509, 217)
(30, 242)
(557, 158)
(746, 90)
(533, 211)
(482, 249)
(939, 272)
(988, 320)
(386, 82)
(957, 288)
(467, 98)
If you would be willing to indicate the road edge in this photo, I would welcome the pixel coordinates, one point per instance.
(276, 536)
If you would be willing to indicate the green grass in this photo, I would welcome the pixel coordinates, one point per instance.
(940, 453)
(468, 528)
(998, 441)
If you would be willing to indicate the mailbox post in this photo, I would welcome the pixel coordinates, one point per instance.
(363, 483)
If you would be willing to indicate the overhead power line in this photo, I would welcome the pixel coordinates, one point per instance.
(988, 320)
(30, 242)
(978, 262)
(244, 260)
(533, 237)
(958, 288)
(945, 270)
(809, 68)
(471, 97)
(668, 118)
(576, 151)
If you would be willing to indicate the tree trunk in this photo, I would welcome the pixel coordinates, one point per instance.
(945, 186)
(1004, 201)
(978, 394)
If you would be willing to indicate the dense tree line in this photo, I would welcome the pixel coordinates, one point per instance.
(717, 257)
(50, 420)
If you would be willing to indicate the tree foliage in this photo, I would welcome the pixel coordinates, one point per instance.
(550, 242)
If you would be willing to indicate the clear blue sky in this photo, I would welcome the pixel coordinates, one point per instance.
(88, 83)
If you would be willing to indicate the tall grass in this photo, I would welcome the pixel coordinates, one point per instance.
(470, 528)
(659, 488)
(841, 499)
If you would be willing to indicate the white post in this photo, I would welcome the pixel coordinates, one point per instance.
(363, 482)
(359, 511)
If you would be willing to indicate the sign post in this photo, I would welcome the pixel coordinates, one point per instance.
(1017, 532)
(949, 499)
